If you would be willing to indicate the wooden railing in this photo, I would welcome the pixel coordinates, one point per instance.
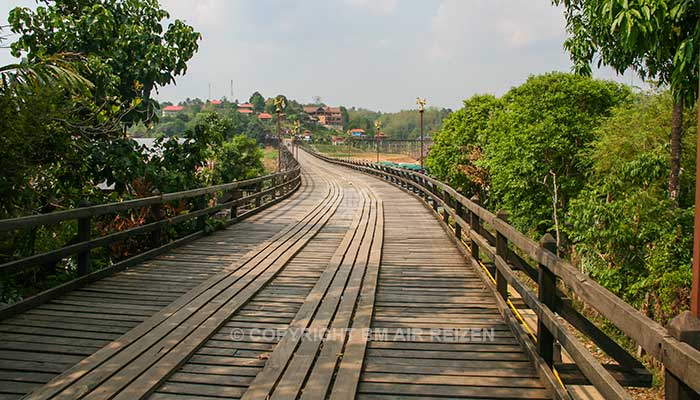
(241, 199)
(501, 254)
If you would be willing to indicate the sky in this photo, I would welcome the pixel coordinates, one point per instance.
(376, 54)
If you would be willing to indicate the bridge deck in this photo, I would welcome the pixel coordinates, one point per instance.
(223, 317)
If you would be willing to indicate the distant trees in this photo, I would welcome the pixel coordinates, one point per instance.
(456, 155)
(258, 102)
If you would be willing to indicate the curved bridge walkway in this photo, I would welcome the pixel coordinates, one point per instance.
(349, 289)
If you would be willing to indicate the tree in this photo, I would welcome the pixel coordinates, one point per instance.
(238, 159)
(657, 39)
(542, 134)
(624, 228)
(258, 102)
(128, 54)
(459, 145)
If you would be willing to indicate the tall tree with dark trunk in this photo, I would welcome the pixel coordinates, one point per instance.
(658, 39)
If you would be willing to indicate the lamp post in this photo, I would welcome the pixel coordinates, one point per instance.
(421, 108)
(280, 103)
(297, 131)
(377, 129)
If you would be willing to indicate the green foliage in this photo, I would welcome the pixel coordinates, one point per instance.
(627, 233)
(128, 54)
(659, 39)
(238, 159)
(400, 125)
(545, 125)
(458, 146)
(258, 102)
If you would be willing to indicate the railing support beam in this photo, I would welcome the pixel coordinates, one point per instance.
(547, 285)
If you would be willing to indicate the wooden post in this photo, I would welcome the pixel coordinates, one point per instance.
(433, 190)
(501, 251)
(445, 213)
(547, 291)
(157, 214)
(459, 210)
(202, 220)
(686, 328)
(258, 187)
(475, 225)
(84, 227)
(235, 195)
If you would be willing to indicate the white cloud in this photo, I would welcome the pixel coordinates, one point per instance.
(381, 7)
(458, 25)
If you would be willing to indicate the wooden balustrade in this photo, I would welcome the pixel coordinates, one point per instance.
(505, 250)
(259, 193)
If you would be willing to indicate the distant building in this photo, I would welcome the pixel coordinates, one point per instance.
(171, 110)
(215, 102)
(265, 117)
(307, 135)
(337, 140)
(329, 117)
(357, 132)
(245, 111)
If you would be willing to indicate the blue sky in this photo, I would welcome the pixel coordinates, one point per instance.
(378, 54)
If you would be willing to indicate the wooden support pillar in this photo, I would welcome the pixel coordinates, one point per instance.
(157, 215)
(501, 251)
(459, 210)
(475, 225)
(445, 213)
(235, 195)
(686, 328)
(84, 228)
(547, 291)
(202, 221)
(258, 199)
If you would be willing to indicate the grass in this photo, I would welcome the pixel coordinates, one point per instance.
(270, 159)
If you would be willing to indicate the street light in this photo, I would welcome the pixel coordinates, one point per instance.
(280, 104)
(295, 144)
(377, 129)
(421, 107)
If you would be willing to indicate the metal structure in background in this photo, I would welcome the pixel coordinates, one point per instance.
(421, 108)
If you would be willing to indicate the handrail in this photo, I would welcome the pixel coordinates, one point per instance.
(249, 195)
(682, 360)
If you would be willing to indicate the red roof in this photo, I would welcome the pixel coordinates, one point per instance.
(216, 102)
(245, 111)
(173, 108)
(264, 116)
(245, 105)
(357, 130)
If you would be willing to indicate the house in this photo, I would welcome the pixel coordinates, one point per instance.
(357, 132)
(307, 135)
(329, 117)
(337, 140)
(169, 111)
(246, 111)
(215, 102)
(264, 116)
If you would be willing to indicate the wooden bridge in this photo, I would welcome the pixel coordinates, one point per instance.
(335, 279)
